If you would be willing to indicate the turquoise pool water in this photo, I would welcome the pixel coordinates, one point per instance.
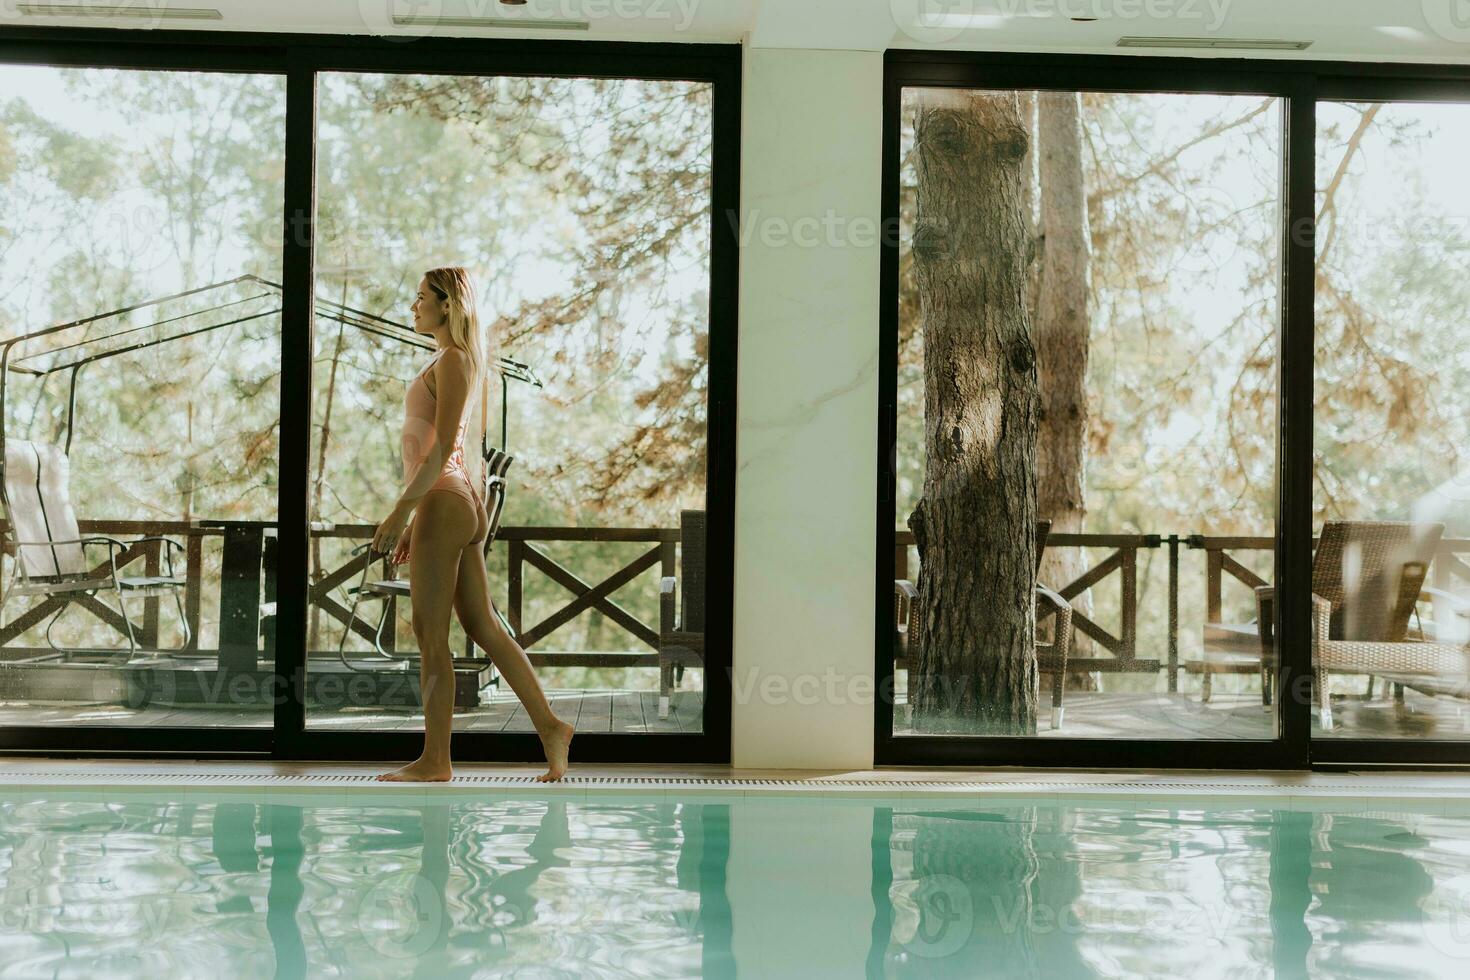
(252, 884)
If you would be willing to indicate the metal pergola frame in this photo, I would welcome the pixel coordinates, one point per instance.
(89, 350)
(299, 59)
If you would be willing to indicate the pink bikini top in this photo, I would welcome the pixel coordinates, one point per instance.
(418, 427)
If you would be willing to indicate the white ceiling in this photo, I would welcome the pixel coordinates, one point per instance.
(1405, 30)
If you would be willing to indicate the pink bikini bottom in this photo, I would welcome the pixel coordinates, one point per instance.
(457, 483)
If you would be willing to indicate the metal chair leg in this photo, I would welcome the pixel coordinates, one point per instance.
(1324, 701)
(665, 689)
(378, 633)
(1058, 683)
(127, 621)
(183, 620)
(49, 642)
(352, 613)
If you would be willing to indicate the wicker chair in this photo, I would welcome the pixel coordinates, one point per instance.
(1367, 578)
(1051, 656)
(681, 637)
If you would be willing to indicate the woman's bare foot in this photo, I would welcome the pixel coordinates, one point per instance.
(557, 742)
(418, 771)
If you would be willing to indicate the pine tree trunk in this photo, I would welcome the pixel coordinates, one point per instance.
(1030, 192)
(976, 667)
(1062, 330)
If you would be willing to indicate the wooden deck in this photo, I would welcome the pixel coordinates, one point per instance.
(1089, 715)
(1092, 714)
(590, 711)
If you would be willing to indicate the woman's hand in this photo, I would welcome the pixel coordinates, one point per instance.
(400, 554)
(389, 533)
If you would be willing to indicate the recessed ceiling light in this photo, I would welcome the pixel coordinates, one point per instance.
(160, 12)
(983, 21)
(414, 20)
(1238, 43)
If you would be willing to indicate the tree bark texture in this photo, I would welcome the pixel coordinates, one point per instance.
(975, 671)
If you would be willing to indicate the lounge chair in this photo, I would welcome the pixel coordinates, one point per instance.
(1367, 578)
(1051, 656)
(50, 556)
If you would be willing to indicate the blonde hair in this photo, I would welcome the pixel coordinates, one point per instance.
(452, 284)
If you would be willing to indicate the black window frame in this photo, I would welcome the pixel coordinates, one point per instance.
(1300, 85)
(300, 58)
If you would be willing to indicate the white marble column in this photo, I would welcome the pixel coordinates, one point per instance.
(805, 484)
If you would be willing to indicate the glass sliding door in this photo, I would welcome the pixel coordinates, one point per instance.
(1390, 576)
(580, 209)
(1085, 511)
(140, 355)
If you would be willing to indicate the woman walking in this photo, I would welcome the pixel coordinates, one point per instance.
(439, 523)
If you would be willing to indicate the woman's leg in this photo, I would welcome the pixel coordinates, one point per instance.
(472, 605)
(442, 525)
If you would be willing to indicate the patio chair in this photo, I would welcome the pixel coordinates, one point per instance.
(497, 462)
(1051, 656)
(1367, 578)
(50, 557)
(681, 637)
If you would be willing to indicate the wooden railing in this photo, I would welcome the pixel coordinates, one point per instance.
(1449, 571)
(1122, 564)
(523, 551)
(522, 554)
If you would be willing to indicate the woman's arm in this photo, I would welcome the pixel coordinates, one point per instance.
(452, 376)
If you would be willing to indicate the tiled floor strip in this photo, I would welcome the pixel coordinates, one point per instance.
(1444, 792)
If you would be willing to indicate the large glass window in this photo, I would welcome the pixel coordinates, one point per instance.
(1086, 414)
(581, 209)
(1391, 479)
(140, 298)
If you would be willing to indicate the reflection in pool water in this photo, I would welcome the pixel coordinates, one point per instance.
(233, 885)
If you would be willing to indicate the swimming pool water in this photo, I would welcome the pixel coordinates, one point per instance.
(258, 885)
